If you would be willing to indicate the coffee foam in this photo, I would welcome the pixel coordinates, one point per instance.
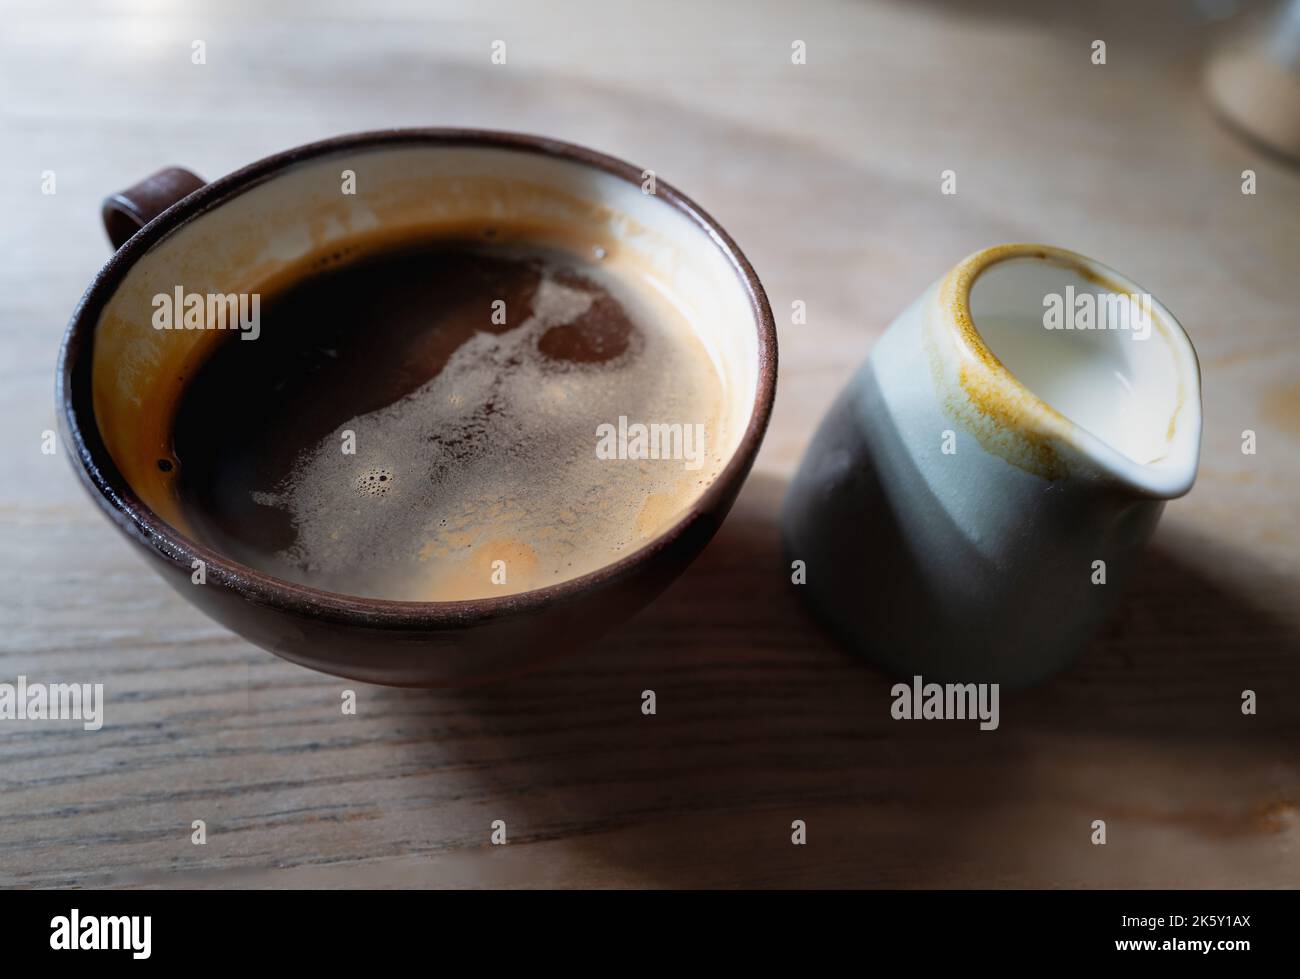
(494, 459)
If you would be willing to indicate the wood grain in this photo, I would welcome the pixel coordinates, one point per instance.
(828, 176)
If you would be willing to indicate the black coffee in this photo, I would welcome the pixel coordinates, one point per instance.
(421, 422)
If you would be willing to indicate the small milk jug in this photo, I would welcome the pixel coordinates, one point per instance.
(974, 503)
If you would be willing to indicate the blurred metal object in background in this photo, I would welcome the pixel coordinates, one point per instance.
(1253, 78)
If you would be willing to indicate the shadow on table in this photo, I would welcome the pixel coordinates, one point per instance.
(761, 720)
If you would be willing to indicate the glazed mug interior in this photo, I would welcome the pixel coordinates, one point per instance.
(276, 221)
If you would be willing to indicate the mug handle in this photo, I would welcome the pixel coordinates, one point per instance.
(127, 211)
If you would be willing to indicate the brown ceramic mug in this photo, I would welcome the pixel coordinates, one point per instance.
(117, 383)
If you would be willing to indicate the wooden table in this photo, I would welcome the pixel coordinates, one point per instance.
(828, 174)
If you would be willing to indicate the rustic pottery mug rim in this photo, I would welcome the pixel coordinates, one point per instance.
(120, 502)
